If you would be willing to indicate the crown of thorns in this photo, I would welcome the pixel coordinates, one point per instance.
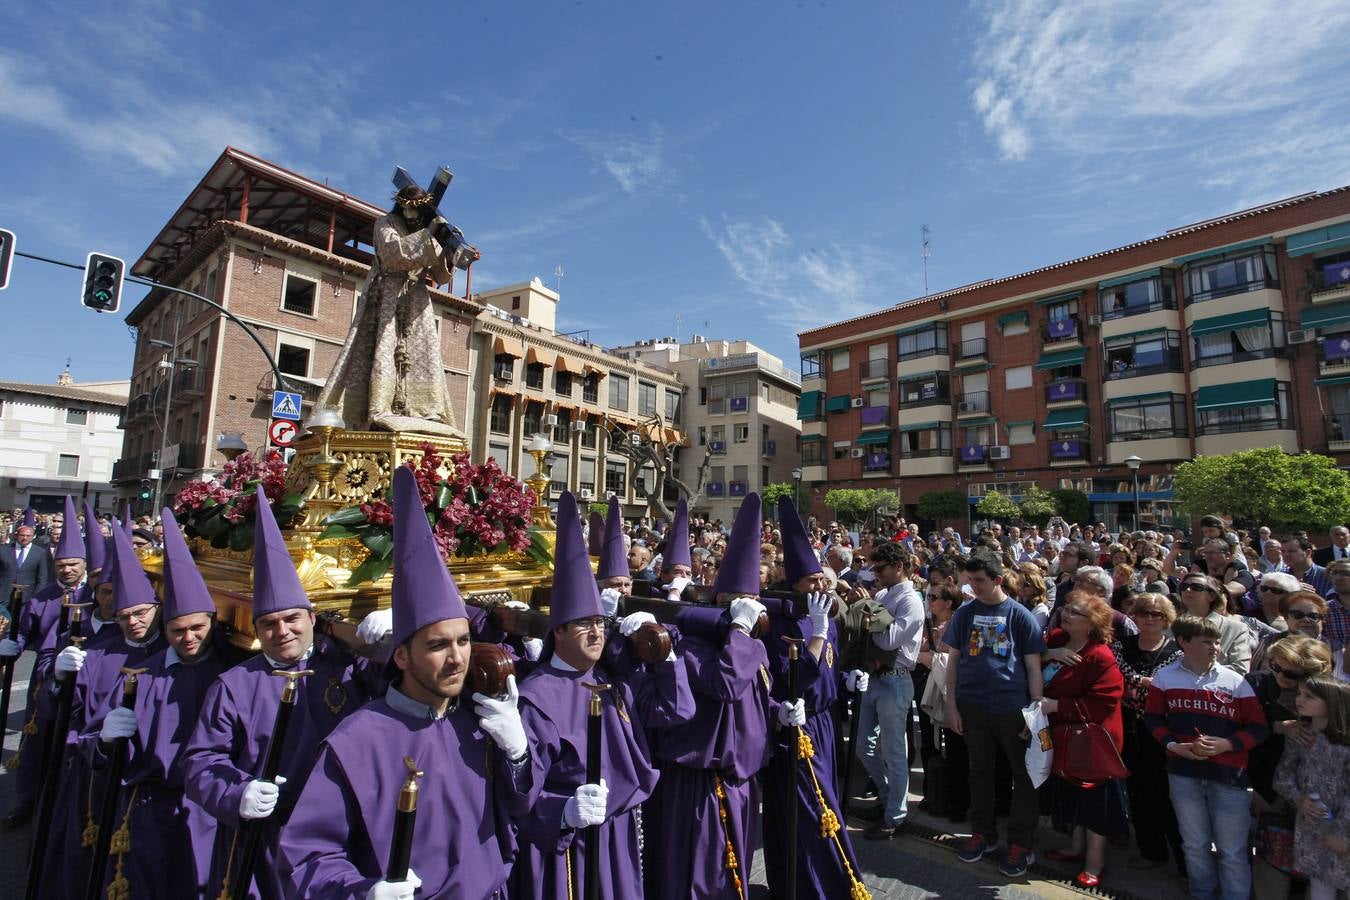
(413, 202)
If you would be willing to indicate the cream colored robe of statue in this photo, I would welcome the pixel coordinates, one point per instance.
(389, 374)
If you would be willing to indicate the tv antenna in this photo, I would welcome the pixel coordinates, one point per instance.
(557, 279)
(927, 251)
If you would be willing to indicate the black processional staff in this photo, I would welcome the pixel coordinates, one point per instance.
(7, 627)
(54, 747)
(594, 739)
(400, 849)
(794, 754)
(855, 713)
(250, 834)
(112, 793)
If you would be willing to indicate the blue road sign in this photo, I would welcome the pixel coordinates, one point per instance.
(286, 405)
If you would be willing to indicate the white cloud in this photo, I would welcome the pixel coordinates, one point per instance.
(803, 287)
(636, 163)
(1213, 80)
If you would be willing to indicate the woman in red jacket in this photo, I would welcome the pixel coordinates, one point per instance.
(1083, 683)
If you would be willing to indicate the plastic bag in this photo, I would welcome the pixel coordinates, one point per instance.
(1040, 755)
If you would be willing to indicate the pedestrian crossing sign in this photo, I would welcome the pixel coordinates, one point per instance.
(286, 405)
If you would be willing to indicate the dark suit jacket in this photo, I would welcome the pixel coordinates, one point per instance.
(1323, 556)
(35, 573)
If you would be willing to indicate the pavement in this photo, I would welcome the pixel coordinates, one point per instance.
(918, 863)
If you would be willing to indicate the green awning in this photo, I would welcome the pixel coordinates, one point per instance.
(875, 437)
(808, 405)
(975, 423)
(1231, 322)
(837, 403)
(1062, 358)
(1020, 422)
(1022, 317)
(1323, 316)
(922, 426)
(1141, 398)
(1332, 380)
(918, 376)
(1066, 418)
(915, 329)
(1117, 340)
(1260, 392)
(1319, 240)
(1126, 279)
(1059, 298)
(1221, 251)
(813, 437)
(968, 368)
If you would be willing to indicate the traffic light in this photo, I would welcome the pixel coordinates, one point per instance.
(103, 282)
(145, 488)
(6, 256)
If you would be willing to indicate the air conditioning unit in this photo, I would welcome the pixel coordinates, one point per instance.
(551, 420)
(578, 427)
(856, 403)
(1000, 452)
(586, 493)
(1094, 320)
(965, 407)
(1301, 336)
(857, 453)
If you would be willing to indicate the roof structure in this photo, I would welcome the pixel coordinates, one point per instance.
(70, 392)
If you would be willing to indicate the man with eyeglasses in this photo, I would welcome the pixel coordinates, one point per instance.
(1336, 628)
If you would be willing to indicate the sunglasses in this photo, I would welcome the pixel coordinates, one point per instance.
(1148, 614)
(1271, 589)
(1302, 616)
(1292, 676)
(1197, 586)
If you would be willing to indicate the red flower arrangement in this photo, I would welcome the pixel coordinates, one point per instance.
(221, 510)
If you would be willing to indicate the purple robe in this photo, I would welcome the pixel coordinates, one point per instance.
(553, 706)
(724, 745)
(79, 788)
(171, 837)
(823, 863)
(337, 841)
(229, 742)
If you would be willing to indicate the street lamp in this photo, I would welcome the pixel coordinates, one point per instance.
(1134, 463)
(230, 444)
(169, 365)
(797, 489)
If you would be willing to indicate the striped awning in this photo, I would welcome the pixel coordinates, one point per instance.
(536, 356)
(505, 345)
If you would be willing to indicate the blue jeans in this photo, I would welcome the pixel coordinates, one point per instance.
(884, 728)
(1212, 813)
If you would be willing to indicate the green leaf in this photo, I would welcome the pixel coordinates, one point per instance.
(538, 549)
(443, 495)
(241, 536)
(471, 495)
(350, 515)
(337, 532)
(379, 542)
(372, 569)
(214, 524)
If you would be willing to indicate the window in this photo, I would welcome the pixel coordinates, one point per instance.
(1232, 273)
(646, 397)
(618, 392)
(718, 435)
(740, 434)
(672, 406)
(1258, 340)
(1012, 324)
(841, 449)
(515, 302)
(702, 436)
(588, 437)
(1137, 297)
(839, 361)
(1151, 417)
(763, 476)
(67, 466)
(926, 342)
(292, 360)
(557, 473)
(534, 418)
(77, 417)
(1017, 378)
(534, 375)
(212, 285)
(586, 474)
(562, 431)
(616, 477)
(925, 390)
(927, 442)
(811, 365)
(298, 294)
(1265, 417)
(1142, 354)
(740, 474)
(973, 343)
(1021, 433)
(502, 454)
(590, 388)
(503, 367)
(813, 453)
(562, 384)
(877, 364)
(977, 436)
(717, 473)
(500, 420)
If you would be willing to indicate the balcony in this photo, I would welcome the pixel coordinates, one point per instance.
(1062, 331)
(1068, 451)
(1235, 426)
(974, 455)
(877, 462)
(717, 448)
(930, 394)
(973, 403)
(1329, 283)
(873, 369)
(189, 383)
(714, 489)
(770, 448)
(138, 407)
(975, 350)
(1068, 390)
(1223, 359)
(1130, 305)
(923, 452)
(189, 456)
(738, 488)
(874, 416)
(126, 469)
(1334, 354)
(1154, 363)
(740, 404)
(1338, 432)
(716, 407)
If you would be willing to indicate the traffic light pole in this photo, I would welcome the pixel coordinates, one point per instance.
(162, 464)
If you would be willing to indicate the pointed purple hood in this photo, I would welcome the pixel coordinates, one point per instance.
(739, 572)
(131, 586)
(614, 557)
(575, 595)
(71, 545)
(595, 534)
(276, 586)
(126, 519)
(95, 544)
(184, 589)
(677, 539)
(424, 591)
(799, 560)
(29, 518)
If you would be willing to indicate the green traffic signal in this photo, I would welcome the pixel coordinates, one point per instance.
(103, 282)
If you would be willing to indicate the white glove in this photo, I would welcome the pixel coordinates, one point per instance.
(856, 681)
(745, 613)
(260, 798)
(792, 712)
(633, 621)
(515, 604)
(534, 648)
(609, 601)
(500, 719)
(70, 660)
(676, 587)
(119, 723)
(9, 647)
(376, 627)
(587, 805)
(818, 609)
(395, 890)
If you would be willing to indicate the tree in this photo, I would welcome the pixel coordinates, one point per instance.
(653, 448)
(1037, 505)
(943, 505)
(773, 492)
(1288, 492)
(855, 506)
(997, 506)
(1072, 505)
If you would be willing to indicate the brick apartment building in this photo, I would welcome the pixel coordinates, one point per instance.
(287, 255)
(1222, 335)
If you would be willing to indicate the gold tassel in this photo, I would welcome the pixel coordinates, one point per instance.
(829, 822)
(722, 814)
(805, 749)
(119, 888)
(29, 729)
(225, 892)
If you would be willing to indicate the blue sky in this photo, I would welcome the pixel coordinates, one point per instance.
(760, 167)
